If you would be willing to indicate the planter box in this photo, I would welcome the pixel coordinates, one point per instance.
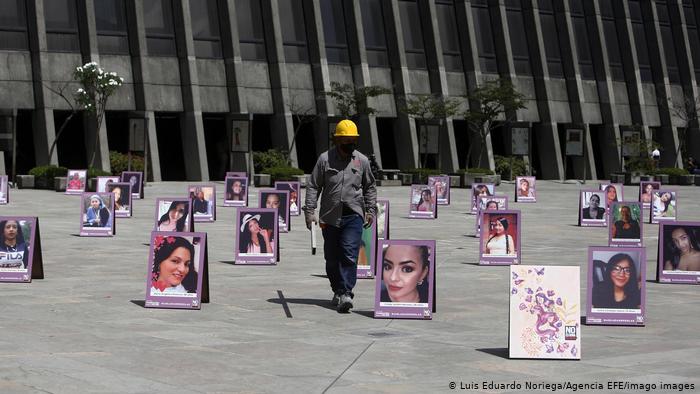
(662, 178)
(697, 180)
(43, 183)
(683, 180)
(646, 178)
(60, 183)
(92, 185)
(619, 178)
(262, 180)
(420, 179)
(406, 179)
(455, 181)
(25, 181)
(469, 179)
(388, 182)
(302, 179)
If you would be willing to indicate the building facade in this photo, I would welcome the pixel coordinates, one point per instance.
(193, 67)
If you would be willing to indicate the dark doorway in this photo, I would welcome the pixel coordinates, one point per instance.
(172, 159)
(71, 149)
(305, 144)
(598, 142)
(117, 124)
(217, 145)
(262, 132)
(535, 159)
(387, 143)
(26, 159)
(462, 141)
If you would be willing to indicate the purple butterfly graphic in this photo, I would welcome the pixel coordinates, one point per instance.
(559, 301)
(514, 291)
(540, 271)
(550, 293)
(522, 306)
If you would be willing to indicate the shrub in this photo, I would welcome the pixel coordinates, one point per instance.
(284, 173)
(504, 169)
(671, 171)
(271, 159)
(480, 171)
(119, 162)
(423, 171)
(95, 172)
(46, 174)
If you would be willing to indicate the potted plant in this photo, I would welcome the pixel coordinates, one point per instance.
(478, 175)
(420, 175)
(44, 176)
(677, 176)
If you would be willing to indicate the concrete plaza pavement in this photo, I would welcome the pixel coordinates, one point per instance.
(83, 327)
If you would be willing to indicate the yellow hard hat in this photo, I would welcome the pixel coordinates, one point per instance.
(346, 128)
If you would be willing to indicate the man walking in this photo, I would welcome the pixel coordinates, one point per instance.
(343, 178)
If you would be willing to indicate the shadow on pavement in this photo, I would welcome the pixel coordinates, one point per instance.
(497, 351)
(141, 303)
(303, 301)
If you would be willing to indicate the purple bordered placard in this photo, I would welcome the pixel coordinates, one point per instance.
(236, 196)
(369, 236)
(188, 293)
(10, 257)
(525, 189)
(642, 186)
(409, 253)
(633, 235)
(135, 178)
(97, 221)
(442, 188)
(266, 219)
(236, 174)
(585, 217)
(383, 226)
(663, 209)
(416, 198)
(601, 307)
(102, 182)
(76, 181)
(678, 260)
(185, 222)
(294, 188)
(502, 202)
(282, 205)
(512, 232)
(4, 190)
(481, 189)
(122, 205)
(209, 191)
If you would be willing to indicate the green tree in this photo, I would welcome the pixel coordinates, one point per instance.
(491, 105)
(352, 101)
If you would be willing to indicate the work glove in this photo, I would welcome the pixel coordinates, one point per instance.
(369, 219)
(310, 218)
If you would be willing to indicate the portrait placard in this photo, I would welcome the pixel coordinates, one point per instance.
(236, 191)
(294, 189)
(277, 199)
(257, 236)
(625, 226)
(423, 203)
(574, 142)
(489, 203)
(76, 181)
(525, 189)
(500, 241)
(481, 189)
(591, 212)
(442, 188)
(203, 198)
(383, 207)
(97, 215)
(240, 174)
(664, 206)
(103, 181)
(545, 310)
(4, 190)
(613, 192)
(20, 249)
(178, 276)
(173, 214)
(678, 260)
(122, 198)
(646, 192)
(403, 293)
(135, 178)
(616, 286)
(368, 251)
(520, 141)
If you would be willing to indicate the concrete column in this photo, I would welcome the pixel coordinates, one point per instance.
(282, 121)
(139, 52)
(193, 146)
(43, 126)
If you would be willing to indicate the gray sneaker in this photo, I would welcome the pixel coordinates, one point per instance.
(344, 303)
(336, 299)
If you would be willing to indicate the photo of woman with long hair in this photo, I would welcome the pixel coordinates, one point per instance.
(405, 270)
(174, 263)
(498, 241)
(14, 246)
(175, 218)
(619, 287)
(254, 238)
(681, 248)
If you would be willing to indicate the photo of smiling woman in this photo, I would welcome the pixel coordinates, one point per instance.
(175, 217)
(14, 251)
(405, 274)
(255, 238)
(681, 248)
(174, 266)
(616, 284)
(96, 211)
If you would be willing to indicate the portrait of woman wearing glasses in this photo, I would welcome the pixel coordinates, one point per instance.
(176, 217)
(619, 288)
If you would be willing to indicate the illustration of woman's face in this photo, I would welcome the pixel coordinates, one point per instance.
(594, 201)
(253, 226)
(612, 193)
(175, 267)
(94, 203)
(236, 187)
(10, 230)
(681, 240)
(177, 213)
(620, 273)
(625, 214)
(497, 227)
(402, 269)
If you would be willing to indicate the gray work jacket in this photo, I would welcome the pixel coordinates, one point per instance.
(341, 181)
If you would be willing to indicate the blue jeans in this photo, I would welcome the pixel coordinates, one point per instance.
(341, 246)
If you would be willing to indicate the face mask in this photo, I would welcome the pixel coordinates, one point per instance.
(348, 148)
